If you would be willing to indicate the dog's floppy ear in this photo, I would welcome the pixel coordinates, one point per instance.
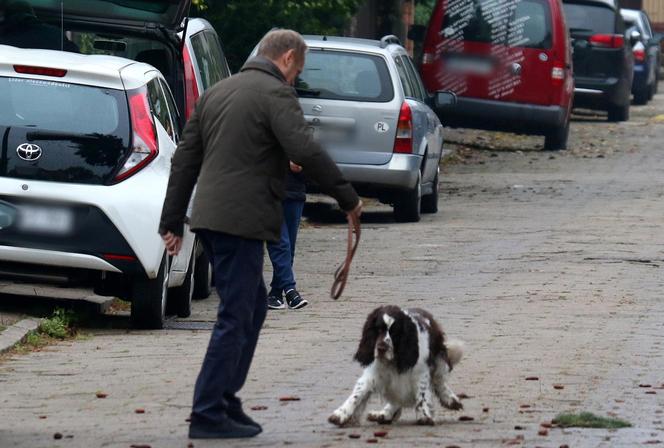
(404, 338)
(365, 351)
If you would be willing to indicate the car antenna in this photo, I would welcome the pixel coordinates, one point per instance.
(62, 25)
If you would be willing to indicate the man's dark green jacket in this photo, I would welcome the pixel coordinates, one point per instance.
(235, 148)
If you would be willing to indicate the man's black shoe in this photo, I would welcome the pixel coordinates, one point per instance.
(239, 416)
(294, 300)
(226, 429)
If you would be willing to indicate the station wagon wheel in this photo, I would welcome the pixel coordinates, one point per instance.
(148, 298)
(407, 204)
(179, 298)
(430, 201)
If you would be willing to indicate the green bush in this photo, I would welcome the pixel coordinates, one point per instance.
(58, 326)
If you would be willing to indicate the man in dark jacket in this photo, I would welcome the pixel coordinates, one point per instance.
(236, 148)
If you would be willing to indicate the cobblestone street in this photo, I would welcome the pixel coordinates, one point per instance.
(547, 264)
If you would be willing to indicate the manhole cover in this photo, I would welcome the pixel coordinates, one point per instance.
(188, 325)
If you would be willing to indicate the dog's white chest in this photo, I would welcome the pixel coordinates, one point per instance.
(400, 389)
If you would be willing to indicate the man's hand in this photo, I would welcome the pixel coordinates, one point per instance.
(295, 168)
(354, 215)
(173, 243)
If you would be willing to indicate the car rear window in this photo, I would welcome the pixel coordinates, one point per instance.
(61, 107)
(340, 75)
(524, 23)
(586, 18)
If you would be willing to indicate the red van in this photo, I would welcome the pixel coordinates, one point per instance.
(508, 61)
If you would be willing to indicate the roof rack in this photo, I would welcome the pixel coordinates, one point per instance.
(389, 39)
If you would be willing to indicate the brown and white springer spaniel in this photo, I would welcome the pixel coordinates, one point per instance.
(406, 359)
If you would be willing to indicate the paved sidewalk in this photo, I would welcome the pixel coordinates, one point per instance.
(548, 265)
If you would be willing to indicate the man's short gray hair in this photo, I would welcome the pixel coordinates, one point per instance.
(277, 42)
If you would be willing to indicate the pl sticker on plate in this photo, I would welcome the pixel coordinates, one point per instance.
(381, 127)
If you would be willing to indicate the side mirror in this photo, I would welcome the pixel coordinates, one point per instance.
(445, 99)
(634, 37)
(416, 33)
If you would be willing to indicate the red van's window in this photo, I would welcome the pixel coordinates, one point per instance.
(518, 23)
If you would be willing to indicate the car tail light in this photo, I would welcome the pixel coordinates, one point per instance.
(639, 55)
(557, 74)
(190, 87)
(607, 40)
(403, 142)
(41, 71)
(144, 136)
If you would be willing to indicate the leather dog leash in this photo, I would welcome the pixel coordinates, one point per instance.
(341, 274)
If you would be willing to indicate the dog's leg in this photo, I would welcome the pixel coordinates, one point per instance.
(354, 405)
(447, 398)
(389, 414)
(424, 404)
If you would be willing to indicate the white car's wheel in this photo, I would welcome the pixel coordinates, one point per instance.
(148, 299)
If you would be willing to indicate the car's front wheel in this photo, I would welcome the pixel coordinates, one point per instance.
(202, 278)
(407, 204)
(618, 113)
(148, 299)
(179, 298)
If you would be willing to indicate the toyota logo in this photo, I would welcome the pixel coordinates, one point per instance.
(29, 152)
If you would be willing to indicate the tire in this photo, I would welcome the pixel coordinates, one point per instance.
(202, 278)
(557, 139)
(618, 113)
(430, 201)
(407, 205)
(148, 304)
(179, 298)
(641, 97)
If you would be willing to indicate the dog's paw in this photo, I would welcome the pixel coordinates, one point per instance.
(379, 417)
(337, 419)
(454, 404)
(425, 421)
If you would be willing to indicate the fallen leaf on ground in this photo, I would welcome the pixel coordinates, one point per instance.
(57, 436)
(100, 394)
(289, 398)
(43, 417)
(524, 406)
(463, 396)
(519, 427)
(466, 418)
(532, 378)
(558, 386)
(543, 432)
(140, 411)
(645, 385)
(651, 392)
(485, 409)
(259, 408)
(140, 446)
(354, 436)
(372, 440)
(380, 433)
(546, 425)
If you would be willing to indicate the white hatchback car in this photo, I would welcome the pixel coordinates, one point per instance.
(86, 145)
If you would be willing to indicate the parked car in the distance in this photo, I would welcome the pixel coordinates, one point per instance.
(603, 61)
(366, 104)
(513, 74)
(87, 148)
(647, 54)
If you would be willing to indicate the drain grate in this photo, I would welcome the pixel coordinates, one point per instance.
(188, 325)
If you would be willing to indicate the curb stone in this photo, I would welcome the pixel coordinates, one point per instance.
(14, 333)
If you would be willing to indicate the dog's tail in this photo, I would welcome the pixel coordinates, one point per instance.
(454, 351)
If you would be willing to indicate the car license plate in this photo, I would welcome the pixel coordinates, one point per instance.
(330, 134)
(45, 220)
(469, 66)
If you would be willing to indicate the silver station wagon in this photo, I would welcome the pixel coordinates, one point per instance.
(366, 104)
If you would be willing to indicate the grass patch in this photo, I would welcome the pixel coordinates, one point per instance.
(60, 326)
(2, 328)
(589, 420)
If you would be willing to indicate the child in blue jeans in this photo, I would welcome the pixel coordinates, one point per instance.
(282, 253)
